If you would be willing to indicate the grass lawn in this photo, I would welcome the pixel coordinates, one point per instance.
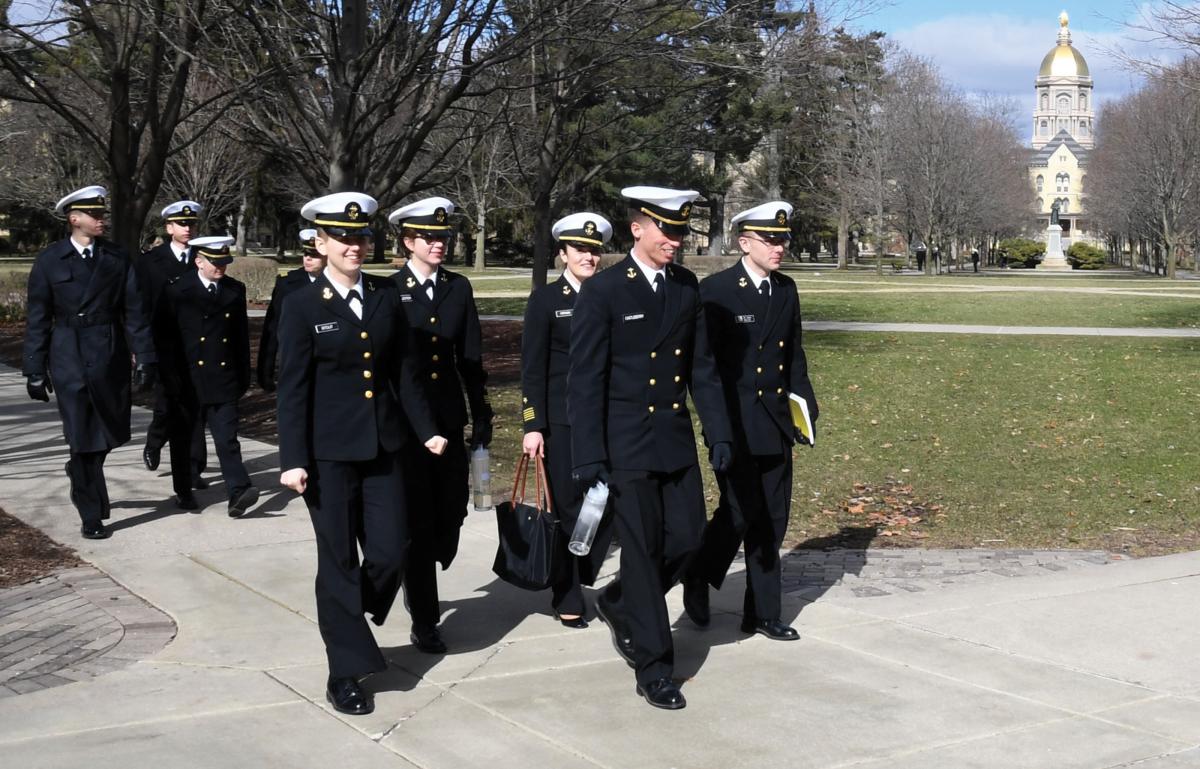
(990, 441)
(909, 301)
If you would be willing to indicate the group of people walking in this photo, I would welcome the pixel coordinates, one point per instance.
(377, 380)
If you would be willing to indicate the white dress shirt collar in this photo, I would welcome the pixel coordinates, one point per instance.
(649, 272)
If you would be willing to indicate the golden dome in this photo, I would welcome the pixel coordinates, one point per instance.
(1064, 61)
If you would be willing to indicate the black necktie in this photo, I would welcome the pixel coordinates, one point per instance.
(88, 261)
(428, 286)
(764, 296)
(212, 289)
(660, 289)
(351, 295)
(87, 252)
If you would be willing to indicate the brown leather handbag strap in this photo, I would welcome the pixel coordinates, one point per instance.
(545, 483)
(519, 478)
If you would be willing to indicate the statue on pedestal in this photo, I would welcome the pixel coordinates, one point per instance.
(1054, 212)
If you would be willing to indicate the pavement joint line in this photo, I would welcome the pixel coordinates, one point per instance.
(982, 687)
(917, 750)
(199, 562)
(147, 722)
(533, 732)
(1143, 761)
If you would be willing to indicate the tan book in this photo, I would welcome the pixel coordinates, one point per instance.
(801, 418)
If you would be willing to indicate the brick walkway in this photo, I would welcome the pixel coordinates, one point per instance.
(871, 573)
(72, 626)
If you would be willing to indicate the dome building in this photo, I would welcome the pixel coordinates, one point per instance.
(1063, 133)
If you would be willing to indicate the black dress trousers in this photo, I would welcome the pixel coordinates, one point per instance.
(439, 489)
(89, 492)
(346, 587)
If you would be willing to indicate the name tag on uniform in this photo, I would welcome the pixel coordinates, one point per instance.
(406, 297)
(563, 313)
(745, 319)
(324, 328)
(635, 316)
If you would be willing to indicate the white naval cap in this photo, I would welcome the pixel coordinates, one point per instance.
(427, 214)
(583, 227)
(669, 208)
(182, 211)
(88, 199)
(214, 248)
(769, 218)
(307, 236)
(342, 213)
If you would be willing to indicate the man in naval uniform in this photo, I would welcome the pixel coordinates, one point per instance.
(83, 303)
(210, 366)
(753, 315)
(638, 346)
(156, 268)
(309, 270)
(348, 402)
(441, 309)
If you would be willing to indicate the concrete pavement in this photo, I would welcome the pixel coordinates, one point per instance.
(1072, 665)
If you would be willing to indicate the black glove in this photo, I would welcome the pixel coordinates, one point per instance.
(721, 457)
(481, 432)
(587, 475)
(39, 388)
(800, 437)
(144, 376)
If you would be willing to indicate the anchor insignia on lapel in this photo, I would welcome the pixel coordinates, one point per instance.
(327, 294)
(410, 282)
(566, 290)
(631, 273)
(742, 282)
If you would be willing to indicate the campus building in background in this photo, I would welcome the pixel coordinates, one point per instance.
(1064, 122)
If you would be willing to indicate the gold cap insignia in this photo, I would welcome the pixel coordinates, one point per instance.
(589, 228)
(631, 273)
(686, 211)
(440, 215)
(742, 282)
(781, 217)
(187, 210)
(409, 282)
(100, 200)
(327, 293)
(352, 211)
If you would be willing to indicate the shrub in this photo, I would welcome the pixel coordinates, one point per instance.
(1022, 252)
(13, 296)
(1085, 256)
(258, 274)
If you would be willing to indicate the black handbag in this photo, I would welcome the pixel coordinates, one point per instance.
(526, 556)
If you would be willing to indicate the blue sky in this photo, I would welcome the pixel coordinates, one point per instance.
(997, 47)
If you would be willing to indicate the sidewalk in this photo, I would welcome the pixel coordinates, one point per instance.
(956, 659)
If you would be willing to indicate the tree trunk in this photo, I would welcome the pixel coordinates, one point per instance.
(240, 244)
(480, 238)
(543, 243)
(843, 235)
(716, 223)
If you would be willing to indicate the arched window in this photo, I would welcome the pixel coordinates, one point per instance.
(1083, 101)
(1083, 128)
(1041, 204)
(1062, 183)
(1045, 128)
(1039, 182)
(1064, 205)
(1045, 101)
(1064, 104)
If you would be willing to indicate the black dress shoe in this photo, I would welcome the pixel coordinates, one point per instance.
(695, 601)
(427, 639)
(151, 457)
(347, 697)
(186, 501)
(771, 628)
(575, 623)
(663, 693)
(242, 502)
(94, 530)
(199, 483)
(622, 639)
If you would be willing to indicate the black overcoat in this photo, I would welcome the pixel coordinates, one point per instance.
(347, 387)
(631, 368)
(545, 355)
(449, 348)
(268, 343)
(78, 322)
(759, 356)
(210, 352)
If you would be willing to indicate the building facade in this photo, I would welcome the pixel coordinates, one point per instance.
(1064, 122)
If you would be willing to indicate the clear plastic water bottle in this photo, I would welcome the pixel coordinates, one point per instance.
(481, 479)
(590, 514)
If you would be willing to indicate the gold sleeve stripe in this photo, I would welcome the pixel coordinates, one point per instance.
(527, 416)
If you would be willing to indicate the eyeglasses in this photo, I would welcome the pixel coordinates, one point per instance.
(767, 241)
